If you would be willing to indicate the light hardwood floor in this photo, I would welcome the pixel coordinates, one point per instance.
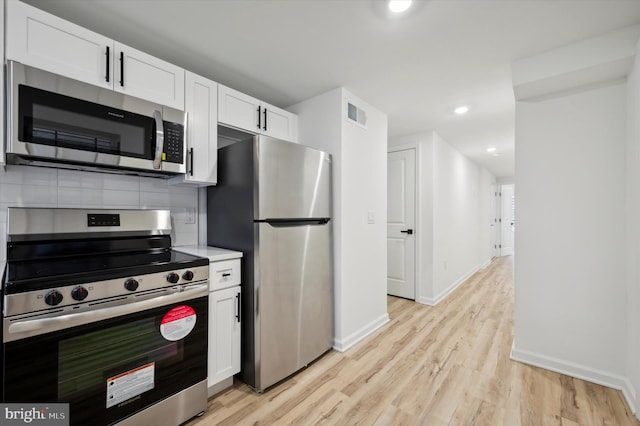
(443, 365)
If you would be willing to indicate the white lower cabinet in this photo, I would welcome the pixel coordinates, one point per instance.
(224, 334)
(225, 317)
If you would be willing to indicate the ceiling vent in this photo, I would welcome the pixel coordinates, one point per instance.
(356, 115)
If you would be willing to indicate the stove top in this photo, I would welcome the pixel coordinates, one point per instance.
(29, 275)
(74, 258)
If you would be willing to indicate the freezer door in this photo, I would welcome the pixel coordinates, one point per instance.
(294, 310)
(294, 181)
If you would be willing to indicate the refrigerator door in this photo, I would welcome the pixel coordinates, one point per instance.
(294, 306)
(294, 181)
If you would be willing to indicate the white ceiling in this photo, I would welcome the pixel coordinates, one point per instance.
(416, 68)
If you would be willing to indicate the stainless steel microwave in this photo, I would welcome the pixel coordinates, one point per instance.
(60, 122)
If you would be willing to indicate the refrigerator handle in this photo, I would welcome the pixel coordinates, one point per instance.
(283, 223)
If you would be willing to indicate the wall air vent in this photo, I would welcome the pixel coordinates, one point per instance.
(356, 115)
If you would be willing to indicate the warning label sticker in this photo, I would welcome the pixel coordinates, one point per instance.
(130, 383)
(178, 323)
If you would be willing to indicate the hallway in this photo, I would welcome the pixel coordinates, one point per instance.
(443, 365)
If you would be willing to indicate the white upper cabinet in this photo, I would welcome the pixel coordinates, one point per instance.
(237, 109)
(201, 105)
(147, 77)
(44, 41)
(244, 112)
(279, 123)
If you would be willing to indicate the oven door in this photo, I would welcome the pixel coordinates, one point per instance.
(110, 369)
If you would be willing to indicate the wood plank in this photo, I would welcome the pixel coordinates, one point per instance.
(442, 365)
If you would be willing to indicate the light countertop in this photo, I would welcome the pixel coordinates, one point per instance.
(214, 254)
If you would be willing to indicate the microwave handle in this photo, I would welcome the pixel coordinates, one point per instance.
(157, 159)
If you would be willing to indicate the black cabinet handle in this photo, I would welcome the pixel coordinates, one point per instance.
(238, 302)
(108, 63)
(258, 118)
(407, 231)
(121, 69)
(265, 119)
(226, 274)
(191, 161)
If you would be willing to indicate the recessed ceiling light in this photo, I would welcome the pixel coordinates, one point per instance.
(399, 6)
(461, 110)
(491, 149)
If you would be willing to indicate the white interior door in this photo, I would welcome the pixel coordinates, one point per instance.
(508, 219)
(401, 202)
(495, 220)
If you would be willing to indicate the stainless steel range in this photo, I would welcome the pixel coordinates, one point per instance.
(100, 313)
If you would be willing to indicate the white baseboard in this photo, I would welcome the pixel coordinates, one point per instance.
(487, 263)
(354, 338)
(447, 291)
(578, 371)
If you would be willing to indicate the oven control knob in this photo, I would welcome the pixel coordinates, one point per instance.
(173, 278)
(188, 275)
(131, 284)
(53, 298)
(79, 293)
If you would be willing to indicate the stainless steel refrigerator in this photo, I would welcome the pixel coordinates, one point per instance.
(273, 203)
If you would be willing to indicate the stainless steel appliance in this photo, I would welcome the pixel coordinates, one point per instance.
(100, 313)
(273, 202)
(54, 119)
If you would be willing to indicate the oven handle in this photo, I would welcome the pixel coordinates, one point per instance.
(22, 329)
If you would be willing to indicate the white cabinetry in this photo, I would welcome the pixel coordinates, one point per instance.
(224, 334)
(244, 112)
(201, 105)
(44, 41)
(144, 76)
(224, 320)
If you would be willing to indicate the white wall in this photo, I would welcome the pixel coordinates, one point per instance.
(453, 229)
(359, 186)
(460, 204)
(26, 186)
(577, 176)
(570, 292)
(633, 229)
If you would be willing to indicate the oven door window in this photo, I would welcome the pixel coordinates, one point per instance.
(48, 118)
(113, 368)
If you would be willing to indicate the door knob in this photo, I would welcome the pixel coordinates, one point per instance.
(407, 231)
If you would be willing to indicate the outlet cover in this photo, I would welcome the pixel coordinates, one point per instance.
(190, 216)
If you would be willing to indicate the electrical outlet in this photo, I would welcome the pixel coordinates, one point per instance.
(190, 216)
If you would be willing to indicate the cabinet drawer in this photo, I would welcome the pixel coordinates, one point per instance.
(223, 274)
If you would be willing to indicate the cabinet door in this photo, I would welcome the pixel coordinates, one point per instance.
(279, 123)
(201, 104)
(45, 41)
(224, 334)
(238, 110)
(147, 77)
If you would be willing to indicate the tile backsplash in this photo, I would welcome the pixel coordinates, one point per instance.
(27, 186)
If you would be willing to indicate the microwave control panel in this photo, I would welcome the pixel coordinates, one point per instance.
(173, 142)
